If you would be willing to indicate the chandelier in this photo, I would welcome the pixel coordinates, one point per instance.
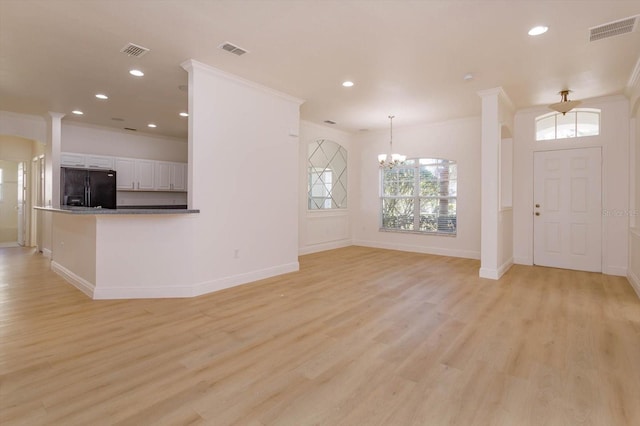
(389, 161)
(565, 105)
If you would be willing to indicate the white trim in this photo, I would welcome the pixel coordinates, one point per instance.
(78, 282)
(634, 78)
(496, 274)
(315, 248)
(46, 253)
(634, 174)
(8, 245)
(634, 280)
(619, 271)
(190, 64)
(467, 254)
(524, 260)
(193, 290)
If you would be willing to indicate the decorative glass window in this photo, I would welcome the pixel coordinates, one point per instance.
(420, 196)
(327, 172)
(576, 123)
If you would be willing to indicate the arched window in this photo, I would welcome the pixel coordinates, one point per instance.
(327, 187)
(576, 123)
(420, 196)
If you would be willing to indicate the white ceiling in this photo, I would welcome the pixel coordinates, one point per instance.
(406, 58)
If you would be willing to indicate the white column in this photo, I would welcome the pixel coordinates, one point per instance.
(490, 237)
(52, 158)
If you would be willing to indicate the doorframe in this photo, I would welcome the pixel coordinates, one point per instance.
(603, 256)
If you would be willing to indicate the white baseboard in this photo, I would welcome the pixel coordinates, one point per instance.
(78, 282)
(192, 290)
(46, 253)
(7, 245)
(523, 260)
(496, 274)
(467, 254)
(634, 280)
(315, 248)
(619, 271)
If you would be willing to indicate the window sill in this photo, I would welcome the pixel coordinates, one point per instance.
(437, 234)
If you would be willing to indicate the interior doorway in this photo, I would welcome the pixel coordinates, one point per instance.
(568, 209)
(12, 194)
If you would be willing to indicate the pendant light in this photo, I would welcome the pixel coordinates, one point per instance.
(565, 105)
(389, 161)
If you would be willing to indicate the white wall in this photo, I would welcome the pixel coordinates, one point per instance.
(89, 139)
(243, 176)
(457, 140)
(324, 229)
(614, 140)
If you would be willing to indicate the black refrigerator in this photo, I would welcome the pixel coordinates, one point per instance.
(88, 188)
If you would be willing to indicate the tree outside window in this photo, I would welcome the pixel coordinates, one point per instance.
(420, 196)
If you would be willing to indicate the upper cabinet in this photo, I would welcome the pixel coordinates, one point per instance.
(170, 176)
(68, 159)
(134, 174)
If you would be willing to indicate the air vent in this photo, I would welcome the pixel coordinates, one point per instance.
(232, 48)
(329, 121)
(134, 50)
(611, 29)
(131, 129)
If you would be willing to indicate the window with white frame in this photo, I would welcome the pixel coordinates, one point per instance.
(576, 123)
(420, 196)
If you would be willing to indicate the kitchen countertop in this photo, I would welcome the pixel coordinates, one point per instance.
(128, 210)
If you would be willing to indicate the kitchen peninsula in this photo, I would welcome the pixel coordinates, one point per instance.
(122, 253)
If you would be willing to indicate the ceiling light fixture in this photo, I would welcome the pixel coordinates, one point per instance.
(389, 161)
(102, 96)
(536, 31)
(184, 114)
(565, 105)
(136, 73)
(347, 84)
(77, 112)
(153, 126)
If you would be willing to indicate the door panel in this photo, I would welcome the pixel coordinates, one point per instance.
(567, 209)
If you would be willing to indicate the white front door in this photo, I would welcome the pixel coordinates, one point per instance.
(567, 199)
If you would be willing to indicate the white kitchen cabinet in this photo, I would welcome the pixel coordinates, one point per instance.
(170, 176)
(179, 176)
(99, 162)
(134, 174)
(125, 173)
(163, 176)
(68, 159)
(145, 179)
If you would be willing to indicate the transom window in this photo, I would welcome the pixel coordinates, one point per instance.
(327, 165)
(576, 123)
(420, 196)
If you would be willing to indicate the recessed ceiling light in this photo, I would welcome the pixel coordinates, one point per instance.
(102, 96)
(184, 114)
(347, 84)
(77, 112)
(540, 29)
(151, 125)
(137, 73)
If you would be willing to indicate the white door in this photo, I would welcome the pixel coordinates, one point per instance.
(22, 199)
(567, 221)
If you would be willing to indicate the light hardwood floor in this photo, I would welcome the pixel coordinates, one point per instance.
(359, 336)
